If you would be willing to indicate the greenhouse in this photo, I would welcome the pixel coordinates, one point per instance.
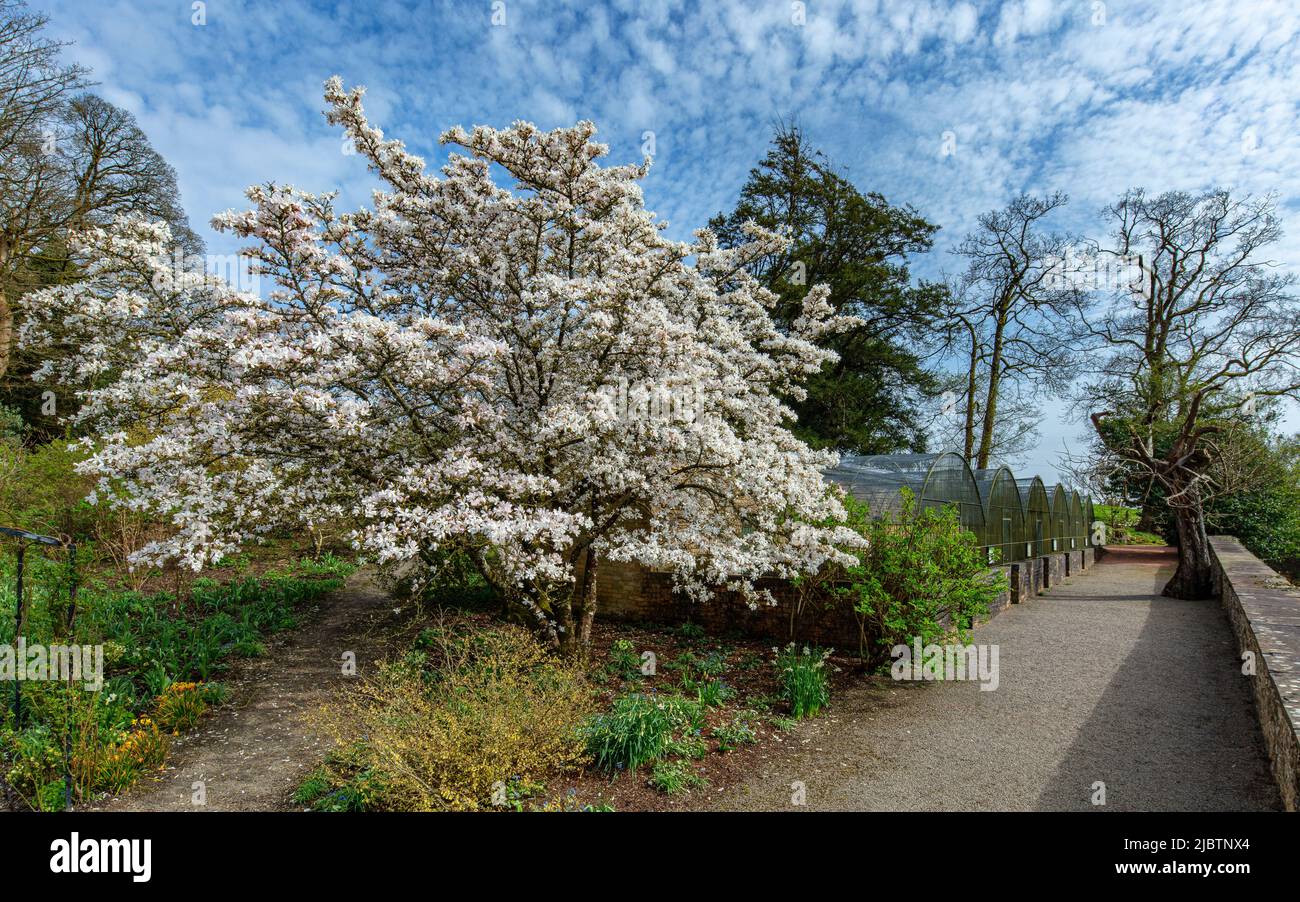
(1038, 516)
(1004, 514)
(1013, 518)
(1078, 527)
(1060, 533)
(936, 480)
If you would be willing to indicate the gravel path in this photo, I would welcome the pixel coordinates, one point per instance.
(253, 752)
(1100, 680)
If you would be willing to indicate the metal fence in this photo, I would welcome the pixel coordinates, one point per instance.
(21, 540)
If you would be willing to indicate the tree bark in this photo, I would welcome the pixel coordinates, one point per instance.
(1193, 579)
(587, 604)
(972, 392)
(568, 636)
(578, 608)
(6, 331)
(991, 403)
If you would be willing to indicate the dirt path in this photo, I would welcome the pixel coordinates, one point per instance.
(1101, 680)
(252, 753)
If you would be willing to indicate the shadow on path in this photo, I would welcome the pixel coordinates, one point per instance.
(1175, 727)
(1101, 679)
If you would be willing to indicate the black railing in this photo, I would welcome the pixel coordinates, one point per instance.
(25, 538)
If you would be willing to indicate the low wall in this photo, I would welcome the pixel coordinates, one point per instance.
(1265, 613)
(1073, 563)
(1053, 569)
(630, 592)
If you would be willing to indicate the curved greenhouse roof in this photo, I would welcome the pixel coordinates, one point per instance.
(1038, 516)
(1078, 527)
(1004, 514)
(935, 480)
(1013, 518)
(1060, 518)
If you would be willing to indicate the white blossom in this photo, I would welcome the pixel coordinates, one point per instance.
(432, 371)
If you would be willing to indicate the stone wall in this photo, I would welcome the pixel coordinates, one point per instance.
(1053, 569)
(1073, 563)
(1265, 613)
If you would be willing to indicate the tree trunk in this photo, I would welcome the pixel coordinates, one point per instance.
(972, 386)
(587, 605)
(577, 610)
(986, 431)
(1193, 578)
(991, 404)
(6, 331)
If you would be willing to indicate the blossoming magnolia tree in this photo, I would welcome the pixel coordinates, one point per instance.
(440, 371)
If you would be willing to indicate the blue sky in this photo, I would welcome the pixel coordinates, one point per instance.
(1084, 96)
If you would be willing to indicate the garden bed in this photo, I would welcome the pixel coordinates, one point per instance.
(728, 691)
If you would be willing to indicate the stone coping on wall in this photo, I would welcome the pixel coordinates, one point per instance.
(1265, 612)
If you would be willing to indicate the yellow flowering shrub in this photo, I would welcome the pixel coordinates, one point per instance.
(142, 749)
(466, 715)
(180, 707)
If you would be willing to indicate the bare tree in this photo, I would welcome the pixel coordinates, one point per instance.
(112, 169)
(1211, 329)
(33, 87)
(1006, 320)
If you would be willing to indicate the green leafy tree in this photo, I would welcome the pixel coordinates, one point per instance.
(1255, 495)
(857, 244)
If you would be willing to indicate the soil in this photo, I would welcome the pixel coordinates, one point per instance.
(251, 754)
(254, 751)
(753, 678)
(1103, 680)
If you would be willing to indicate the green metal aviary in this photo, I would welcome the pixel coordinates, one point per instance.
(1014, 518)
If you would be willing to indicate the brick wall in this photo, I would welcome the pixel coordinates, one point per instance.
(630, 592)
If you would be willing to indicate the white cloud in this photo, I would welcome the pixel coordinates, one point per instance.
(1040, 97)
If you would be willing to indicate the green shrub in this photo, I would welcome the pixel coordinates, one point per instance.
(40, 491)
(804, 683)
(674, 777)
(733, 735)
(920, 576)
(1121, 526)
(12, 427)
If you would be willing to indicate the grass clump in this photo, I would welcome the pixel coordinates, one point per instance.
(803, 680)
(639, 728)
(675, 777)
